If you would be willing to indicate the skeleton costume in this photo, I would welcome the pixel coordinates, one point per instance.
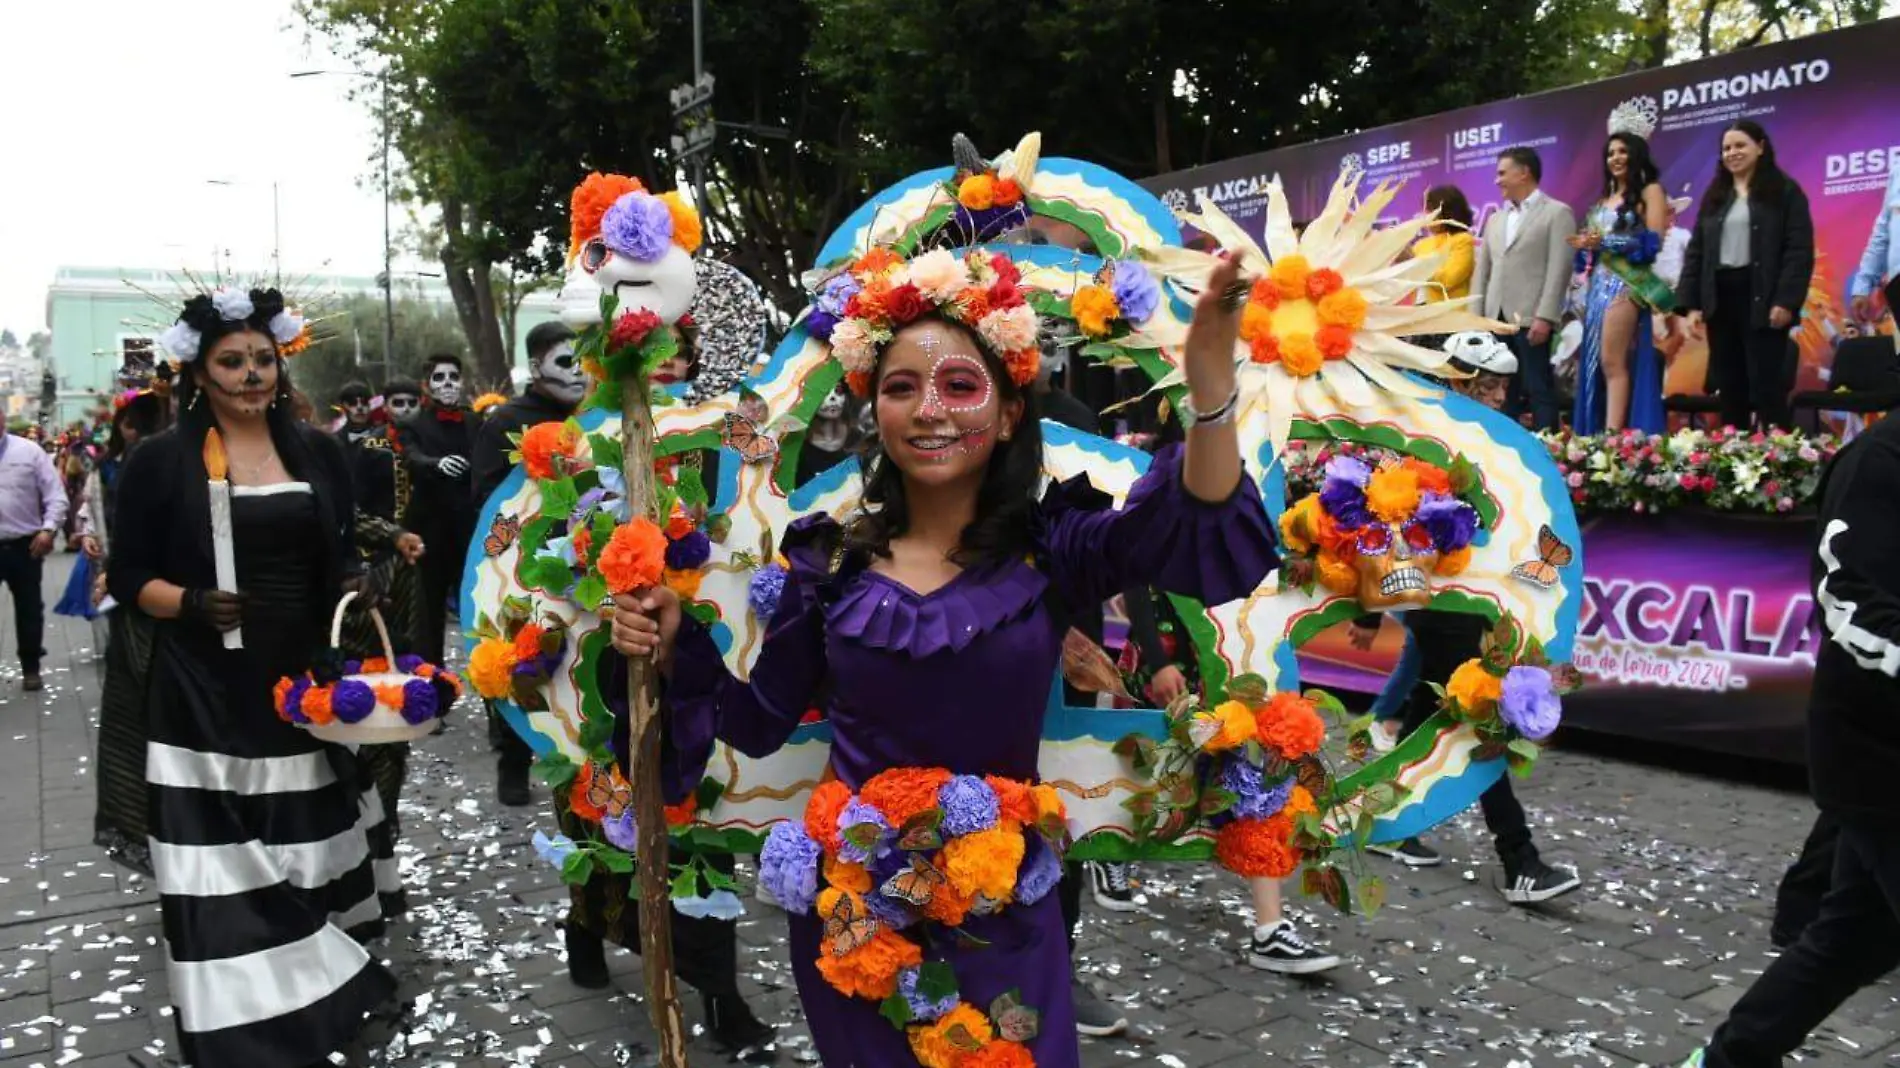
(436, 445)
(830, 438)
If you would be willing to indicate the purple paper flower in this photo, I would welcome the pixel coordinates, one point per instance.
(1349, 469)
(638, 226)
(1346, 503)
(858, 814)
(352, 667)
(819, 323)
(1530, 702)
(418, 701)
(788, 866)
(689, 553)
(922, 1009)
(835, 294)
(1039, 873)
(1136, 291)
(352, 702)
(969, 806)
(1254, 798)
(293, 700)
(890, 912)
(407, 663)
(621, 830)
(1450, 521)
(767, 586)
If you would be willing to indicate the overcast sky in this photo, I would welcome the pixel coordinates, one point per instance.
(118, 114)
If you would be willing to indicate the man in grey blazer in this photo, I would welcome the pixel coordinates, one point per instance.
(1524, 267)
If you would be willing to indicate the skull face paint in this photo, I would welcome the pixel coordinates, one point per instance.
(445, 384)
(402, 406)
(356, 411)
(833, 406)
(939, 408)
(558, 374)
(239, 374)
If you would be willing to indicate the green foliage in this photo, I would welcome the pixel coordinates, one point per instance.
(356, 352)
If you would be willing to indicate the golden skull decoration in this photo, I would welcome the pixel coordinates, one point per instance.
(1380, 534)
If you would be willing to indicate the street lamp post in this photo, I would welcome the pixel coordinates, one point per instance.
(388, 279)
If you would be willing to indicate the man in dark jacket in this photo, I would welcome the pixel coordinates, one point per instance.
(1853, 748)
(551, 396)
(435, 448)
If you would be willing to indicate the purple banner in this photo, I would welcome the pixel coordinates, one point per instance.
(1826, 101)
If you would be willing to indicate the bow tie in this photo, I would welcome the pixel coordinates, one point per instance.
(448, 415)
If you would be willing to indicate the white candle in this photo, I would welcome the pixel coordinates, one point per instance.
(223, 552)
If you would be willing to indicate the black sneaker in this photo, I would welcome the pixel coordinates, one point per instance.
(735, 1030)
(31, 682)
(1095, 1017)
(1531, 880)
(1412, 853)
(586, 958)
(1283, 951)
(1109, 884)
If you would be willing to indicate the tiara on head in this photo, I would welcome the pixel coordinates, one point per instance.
(860, 309)
(261, 308)
(1637, 115)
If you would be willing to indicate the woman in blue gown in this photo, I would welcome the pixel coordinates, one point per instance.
(1619, 372)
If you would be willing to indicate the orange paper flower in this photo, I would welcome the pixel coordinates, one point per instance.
(1255, 321)
(1337, 575)
(977, 192)
(869, 971)
(931, 1043)
(578, 801)
(541, 443)
(1289, 276)
(1265, 294)
(1094, 308)
(985, 862)
(316, 705)
(635, 557)
(686, 229)
(1235, 725)
(1476, 690)
(491, 666)
(1258, 848)
(1264, 348)
(684, 583)
(1288, 725)
(947, 905)
(1048, 802)
(1431, 477)
(1008, 193)
(1017, 801)
(876, 261)
(1300, 355)
(844, 875)
(596, 193)
(821, 814)
(1345, 308)
(681, 814)
(1323, 283)
(528, 642)
(1392, 493)
(999, 1054)
(903, 793)
(1453, 564)
(1334, 342)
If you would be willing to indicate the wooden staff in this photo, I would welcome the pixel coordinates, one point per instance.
(649, 805)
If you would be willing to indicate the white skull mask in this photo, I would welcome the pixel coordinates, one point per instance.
(664, 286)
(445, 384)
(558, 373)
(832, 407)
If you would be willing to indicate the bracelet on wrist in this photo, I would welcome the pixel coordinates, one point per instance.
(1224, 413)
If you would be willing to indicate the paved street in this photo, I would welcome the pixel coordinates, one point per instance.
(1671, 924)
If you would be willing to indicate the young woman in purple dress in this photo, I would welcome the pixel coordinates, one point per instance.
(930, 626)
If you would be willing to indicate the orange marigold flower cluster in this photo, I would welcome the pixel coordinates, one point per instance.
(821, 814)
(1323, 283)
(540, 444)
(1453, 564)
(528, 642)
(948, 905)
(985, 862)
(869, 971)
(1392, 493)
(1234, 726)
(635, 557)
(681, 814)
(904, 793)
(1334, 342)
(1475, 689)
(1288, 725)
(999, 1054)
(1258, 848)
(316, 705)
(1431, 477)
(931, 1044)
(687, 233)
(1300, 355)
(1017, 801)
(844, 875)
(491, 667)
(1338, 576)
(1289, 276)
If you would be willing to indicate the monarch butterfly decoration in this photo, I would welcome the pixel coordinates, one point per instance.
(846, 930)
(610, 793)
(918, 885)
(746, 438)
(1552, 554)
(501, 534)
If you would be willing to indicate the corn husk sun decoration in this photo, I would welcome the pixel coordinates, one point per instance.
(1325, 322)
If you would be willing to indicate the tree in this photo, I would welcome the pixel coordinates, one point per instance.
(355, 349)
(8, 340)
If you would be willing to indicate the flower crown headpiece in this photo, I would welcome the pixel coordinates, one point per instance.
(619, 212)
(1360, 508)
(262, 309)
(860, 309)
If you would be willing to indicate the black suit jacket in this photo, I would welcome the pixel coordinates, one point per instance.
(1781, 248)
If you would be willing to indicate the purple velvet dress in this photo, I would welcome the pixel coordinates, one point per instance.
(958, 678)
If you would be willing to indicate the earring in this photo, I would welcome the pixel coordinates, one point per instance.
(196, 399)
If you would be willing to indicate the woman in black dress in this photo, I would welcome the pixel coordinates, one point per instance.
(257, 830)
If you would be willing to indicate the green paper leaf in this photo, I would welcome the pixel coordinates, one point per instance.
(558, 498)
(606, 450)
(1216, 801)
(590, 592)
(1328, 704)
(1248, 689)
(549, 573)
(692, 489)
(936, 981)
(596, 732)
(685, 884)
(719, 527)
(717, 879)
(705, 613)
(896, 1010)
(708, 839)
(707, 794)
(577, 868)
(617, 861)
(1371, 895)
(556, 770)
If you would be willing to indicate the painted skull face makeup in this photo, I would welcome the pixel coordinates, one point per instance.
(356, 410)
(240, 373)
(833, 406)
(559, 374)
(939, 408)
(402, 406)
(445, 384)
